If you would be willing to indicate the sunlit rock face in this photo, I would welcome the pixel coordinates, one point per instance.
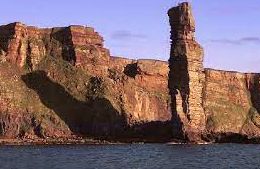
(231, 102)
(186, 75)
(207, 104)
(63, 83)
(26, 46)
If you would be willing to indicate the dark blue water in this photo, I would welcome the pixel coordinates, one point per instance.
(146, 156)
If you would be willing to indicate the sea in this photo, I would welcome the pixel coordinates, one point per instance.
(131, 156)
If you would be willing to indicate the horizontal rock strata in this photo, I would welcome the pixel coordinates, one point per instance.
(58, 82)
(63, 84)
(186, 74)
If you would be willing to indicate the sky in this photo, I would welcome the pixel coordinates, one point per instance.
(228, 30)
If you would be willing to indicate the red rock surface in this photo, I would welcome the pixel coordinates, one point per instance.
(186, 75)
(62, 83)
(231, 102)
(135, 94)
(26, 46)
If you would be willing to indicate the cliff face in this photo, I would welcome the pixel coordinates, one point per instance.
(231, 102)
(63, 83)
(26, 46)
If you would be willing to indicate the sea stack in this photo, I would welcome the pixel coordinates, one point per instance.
(186, 77)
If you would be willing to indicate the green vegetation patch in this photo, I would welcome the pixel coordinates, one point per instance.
(225, 115)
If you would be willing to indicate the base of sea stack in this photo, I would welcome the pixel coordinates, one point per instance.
(189, 136)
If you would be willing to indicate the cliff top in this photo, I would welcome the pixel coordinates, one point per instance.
(20, 24)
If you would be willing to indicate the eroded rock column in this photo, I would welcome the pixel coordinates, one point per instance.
(186, 75)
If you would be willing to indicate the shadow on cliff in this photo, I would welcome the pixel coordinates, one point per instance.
(63, 36)
(95, 117)
(154, 131)
(131, 70)
(178, 84)
(255, 92)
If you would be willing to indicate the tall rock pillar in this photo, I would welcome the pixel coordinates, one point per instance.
(186, 75)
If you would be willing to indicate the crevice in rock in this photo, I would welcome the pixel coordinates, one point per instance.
(131, 70)
(28, 60)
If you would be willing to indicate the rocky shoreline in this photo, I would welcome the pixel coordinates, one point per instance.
(221, 138)
(24, 142)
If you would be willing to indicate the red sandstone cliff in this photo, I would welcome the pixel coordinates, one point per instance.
(62, 82)
(231, 102)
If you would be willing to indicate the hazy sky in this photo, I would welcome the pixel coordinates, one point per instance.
(229, 30)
